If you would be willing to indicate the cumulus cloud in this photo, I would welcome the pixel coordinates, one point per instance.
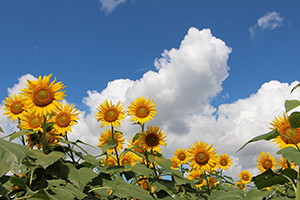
(186, 80)
(270, 20)
(109, 5)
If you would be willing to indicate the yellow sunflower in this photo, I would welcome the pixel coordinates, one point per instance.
(283, 164)
(14, 107)
(110, 161)
(211, 181)
(110, 114)
(181, 155)
(31, 121)
(127, 158)
(224, 161)
(142, 109)
(195, 175)
(104, 138)
(152, 138)
(34, 139)
(241, 185)
(245, 176)
(202, 156)
(41, 96)
(266, 161)
(284, 127)
(65, 117)
(174, 163)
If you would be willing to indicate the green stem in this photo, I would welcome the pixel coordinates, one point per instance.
(298, 185)
(45, 145)
(113, 140)
(71, 151)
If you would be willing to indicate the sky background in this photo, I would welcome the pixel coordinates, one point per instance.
(219, 71)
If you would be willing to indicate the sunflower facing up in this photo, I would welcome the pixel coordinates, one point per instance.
(266, 161)
(224, 161)
(110, 114)
(142, 109)
(282, 124)
(174, 163)
(41, 96)
(152, 138)
(202, 156)
(65, 117)
(245, 176)
(31, 121)
(104, 138)
(181, 155)
(14, 107)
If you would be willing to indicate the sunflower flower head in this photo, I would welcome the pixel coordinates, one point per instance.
(152, 138)
(127, 158)
(31, 121)
(181, 155)
(202, 156)
(110, 114)
(110, 161)
(106, 137)
(266, 161)
(284, 164)
(196, 175)
(282, 124)
(224, 161)
(14, 107)
(241, 185)
(41, 96)
(245, 176)
(142, 109)
(65, 116)
(174, 163)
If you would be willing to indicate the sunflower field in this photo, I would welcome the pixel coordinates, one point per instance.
(40, 162)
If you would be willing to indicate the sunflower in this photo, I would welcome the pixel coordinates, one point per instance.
(41, 96)
(266, 161)
(195, 175)
(283, 164)
(104, 138)
(34, 139)
(202, 156)
(65, 117)
(31, 121)
(142, 109)
(14, 107)
(181, 155)
(110, 161)
(110, 114)
(245, 176)
(152, 138)
(174, 163)
(241, 185)
(127, 158)
(284, 127)
(224, 161)
(211, 181)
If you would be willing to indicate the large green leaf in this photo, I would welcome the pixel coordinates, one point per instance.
(162, 162)
(225, 195)
(141, 170)
(256, 194)
(45, 160)
(67, 192)
(11, 154)
(291, 104)
(295, 119)
(3, 169)
(267, 136)
(41, 195)
(18, 134)
(107, 146)
(291, 154)
(80, 177)
(91, 159)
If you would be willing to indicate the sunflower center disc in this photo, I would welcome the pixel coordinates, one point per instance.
(63, 120)
(125, 161)
(267, 164)
(111, 115)
(181, 156)
(35, 122)
(223, 162)
(16, 107)
(293, 134)
(142, 112)
(151, 140)
(201, 158)
(42, 96)
(110, 164)
(245, 178)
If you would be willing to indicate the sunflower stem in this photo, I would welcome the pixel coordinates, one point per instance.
(290, 140)
(22, 138)
(113, 140)
(71, 151)
(45, 146)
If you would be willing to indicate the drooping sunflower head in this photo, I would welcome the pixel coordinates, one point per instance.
(284, 164)
(241, 185)
(33, 140)
(142, 109)
(202, 156)
(211, 181)
(31, 121)
(152, 138)
(64, 117)
(14, 107)
(195, 175)
(245, 176)
(41, 96)
(127, 158)
(134, 146)
(224, 161)
(110, 114)
(181, 155)
(282, 124)
(174, 163)
(266, 161)
(106, 137)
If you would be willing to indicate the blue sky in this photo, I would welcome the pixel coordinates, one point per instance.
(88, 44)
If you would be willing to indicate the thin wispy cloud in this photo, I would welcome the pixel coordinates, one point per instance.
(269, 21)
(109, 5)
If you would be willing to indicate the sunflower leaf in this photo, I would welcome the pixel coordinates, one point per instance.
(108, 146)
(291, 154)
(295, 120)
(18, 134)
(294, 88)
(291, 104)
(267, 136)
(1, 130)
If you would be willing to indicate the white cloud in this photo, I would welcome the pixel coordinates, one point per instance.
(109, 5)
(270, 20)
(186, 80)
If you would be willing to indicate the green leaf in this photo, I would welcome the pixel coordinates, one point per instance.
(19, 182)
(162, 162)
(113, 169)
(294, 88)
(291, 154)
(267, 136)
(141, 170)
(45, 160)
(80, 177)
(3, 169)
(110, 140)
(41, 195)
(224, 195)
(256, 195)
(1, 130)
(91, 159)
(11, 154)
(19, 134)
(67, 192)
(295, 120)
(291, 104)
(108, 146)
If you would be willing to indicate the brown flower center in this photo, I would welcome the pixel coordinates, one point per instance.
(224, 162)
(151, 140)
(201, 157)
(267, 163)
(63, 119)
(35, 122)
(293, 134)
(142, 111)
(16, 107)
(111, 115)
(110, 163)
(42, 96)
(181, 156)
(245, 177)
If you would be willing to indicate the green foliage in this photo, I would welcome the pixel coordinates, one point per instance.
(291, 104)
